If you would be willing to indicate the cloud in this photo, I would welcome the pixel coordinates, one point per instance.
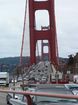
(66, 19)
(11, 26)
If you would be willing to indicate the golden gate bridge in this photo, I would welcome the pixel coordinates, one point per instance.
(46, 34)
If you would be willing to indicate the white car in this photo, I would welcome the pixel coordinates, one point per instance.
(21, 101)
(11, 95)
(75, 78)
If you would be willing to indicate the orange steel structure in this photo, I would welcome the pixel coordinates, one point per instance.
(49, 34)
(43, 45)
(35, 35)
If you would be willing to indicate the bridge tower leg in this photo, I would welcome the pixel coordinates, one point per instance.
(49, 34)
(43, 45)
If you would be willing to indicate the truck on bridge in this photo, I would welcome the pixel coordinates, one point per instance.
(4, 78)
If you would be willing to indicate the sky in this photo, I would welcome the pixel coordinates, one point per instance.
(11, 27)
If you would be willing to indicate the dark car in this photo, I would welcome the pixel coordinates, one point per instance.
(56, 89)
(72, 86)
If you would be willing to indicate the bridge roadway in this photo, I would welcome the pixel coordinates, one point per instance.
(3, 96)
(3, 99)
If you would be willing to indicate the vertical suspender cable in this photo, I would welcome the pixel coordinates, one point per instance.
(38, 51)
(24, 26)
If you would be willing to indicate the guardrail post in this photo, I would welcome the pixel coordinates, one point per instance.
(29, 99)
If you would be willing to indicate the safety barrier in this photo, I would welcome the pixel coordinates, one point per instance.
(29, 100)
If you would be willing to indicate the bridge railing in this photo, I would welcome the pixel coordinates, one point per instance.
(29, 99)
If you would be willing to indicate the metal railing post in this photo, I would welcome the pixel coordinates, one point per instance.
(29, 99)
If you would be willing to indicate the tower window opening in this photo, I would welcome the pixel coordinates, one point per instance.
(40, 20)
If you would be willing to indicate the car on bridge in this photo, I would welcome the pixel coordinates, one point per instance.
(11, 95)
(29, 87)
(72, 86)
(43, 100)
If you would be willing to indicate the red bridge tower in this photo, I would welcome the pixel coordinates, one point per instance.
(49, 34)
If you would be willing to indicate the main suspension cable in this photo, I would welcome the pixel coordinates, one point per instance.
(24, 26)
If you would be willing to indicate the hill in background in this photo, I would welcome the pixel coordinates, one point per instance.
(9, 63)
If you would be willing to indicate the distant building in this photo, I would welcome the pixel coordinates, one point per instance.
(76, 64)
